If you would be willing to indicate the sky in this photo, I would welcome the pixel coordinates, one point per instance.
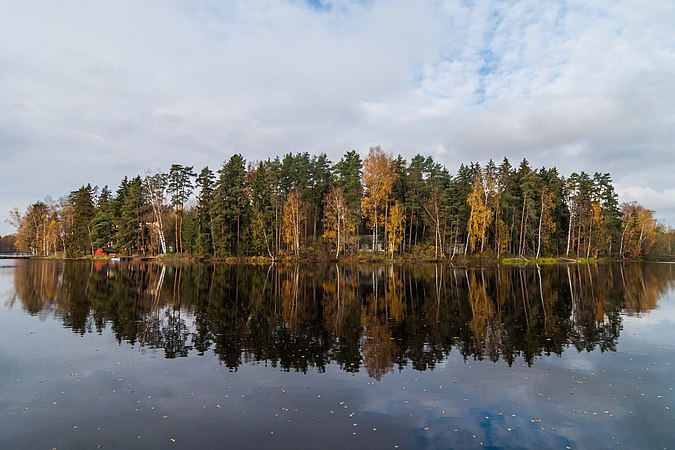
(91, 91)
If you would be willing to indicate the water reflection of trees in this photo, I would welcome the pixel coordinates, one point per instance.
(375, 318)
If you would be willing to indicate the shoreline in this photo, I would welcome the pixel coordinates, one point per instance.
(476, 261)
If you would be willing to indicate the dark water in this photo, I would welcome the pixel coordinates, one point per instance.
(136, 355)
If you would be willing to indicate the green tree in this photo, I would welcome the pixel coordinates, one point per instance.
(611, 215)
(130, 230)
(229, 207)
(265, 207)
(79, 240)
(205, 184)
(103, 222)
(347, 173)
(180, 187)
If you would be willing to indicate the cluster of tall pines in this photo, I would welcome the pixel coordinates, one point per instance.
(304, 205)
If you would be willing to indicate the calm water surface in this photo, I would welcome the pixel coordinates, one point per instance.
(143, 355)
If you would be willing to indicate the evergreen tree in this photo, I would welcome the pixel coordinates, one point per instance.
(347, 173)
(180, 188)
(131, 231)
(103, 222)
(611, 215)
(79, 240)
(263, 180)
(229, 210)
(203, 233)
(319, 185)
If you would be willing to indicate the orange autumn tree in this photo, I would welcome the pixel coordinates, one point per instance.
(378, 179)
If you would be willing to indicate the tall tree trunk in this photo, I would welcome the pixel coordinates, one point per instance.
(569, 236)
(181, 232)
(375, 231)
(337, 251)
(176, 232)
(410, 232)
(539, 231)
(238, 229)
(522, 227)
(590, 240)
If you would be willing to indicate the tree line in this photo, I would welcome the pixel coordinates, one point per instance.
(304, 205)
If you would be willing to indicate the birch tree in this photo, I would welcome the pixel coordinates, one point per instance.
(395, 227)
(155, 189)
(481, 215)
(338, 221)
(180, 187)
(293, 218)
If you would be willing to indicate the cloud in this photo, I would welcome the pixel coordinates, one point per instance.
(95, 91)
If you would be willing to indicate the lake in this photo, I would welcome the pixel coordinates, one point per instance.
(146, 355)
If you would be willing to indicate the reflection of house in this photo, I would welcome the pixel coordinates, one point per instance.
(366, 243)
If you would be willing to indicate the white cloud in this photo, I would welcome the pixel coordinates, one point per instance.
(95, 91)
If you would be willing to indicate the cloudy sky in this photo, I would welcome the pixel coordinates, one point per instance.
(91, 91)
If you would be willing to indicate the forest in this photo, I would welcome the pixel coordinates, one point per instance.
(305, 206)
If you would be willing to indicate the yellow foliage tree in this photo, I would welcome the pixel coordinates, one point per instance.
(481, 214)
(378, 178)
(638, 233)
(294, 215)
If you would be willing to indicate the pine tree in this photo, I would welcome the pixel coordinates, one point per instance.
(229, 209)
(130, 230)
(180, 187)
(204, 240)
(103, 222)
(79, 240)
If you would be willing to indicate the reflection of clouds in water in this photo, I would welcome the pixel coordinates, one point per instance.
(655, 326)
(575, 361)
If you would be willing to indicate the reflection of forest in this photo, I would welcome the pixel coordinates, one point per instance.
(376, 318)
